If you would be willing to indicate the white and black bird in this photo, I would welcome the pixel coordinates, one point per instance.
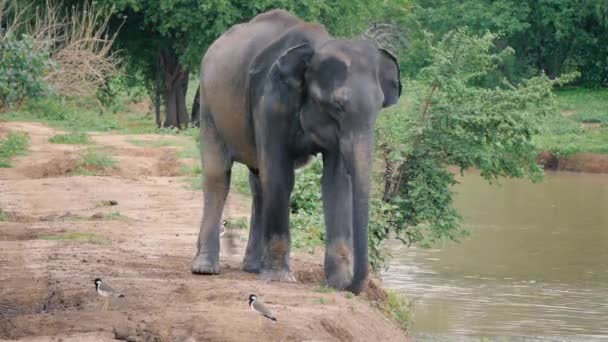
(256, 305)
(223, 228)
(104, 290)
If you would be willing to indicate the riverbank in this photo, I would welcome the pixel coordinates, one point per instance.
(120, 207)
(576, 139)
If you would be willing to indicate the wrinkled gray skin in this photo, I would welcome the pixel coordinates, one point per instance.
(275, 91)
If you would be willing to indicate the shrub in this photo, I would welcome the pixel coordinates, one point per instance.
(22, 70)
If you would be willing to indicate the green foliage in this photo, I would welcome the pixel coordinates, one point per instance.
(22, 70)
(74, 138)
(397, 307)
(551, 36)
(3, 215)
(306, 207)
(12, 145)
(451, 120)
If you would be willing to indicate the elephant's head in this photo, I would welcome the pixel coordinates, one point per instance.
(338, 88)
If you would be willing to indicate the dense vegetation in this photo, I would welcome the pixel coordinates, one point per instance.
(480, 81)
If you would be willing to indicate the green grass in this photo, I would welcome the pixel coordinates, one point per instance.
(3, 215)
(14, 144)
(398, 309)
(153, 143)
(73, 114)
(77, 237)
(94, 161)
(74, 138)
(323, 289)
(564, 134)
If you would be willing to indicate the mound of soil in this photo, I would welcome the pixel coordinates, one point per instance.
(47, 290)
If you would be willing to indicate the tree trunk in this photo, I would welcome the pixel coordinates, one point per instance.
(158, 89)
(196, 108)
(175, 81)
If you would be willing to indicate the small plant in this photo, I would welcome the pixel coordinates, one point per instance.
(3, 215)
(71, 138)
(77, 237)
(397, 308)
(321, 301)
(324, 289)
(13, 145)
(237, 223)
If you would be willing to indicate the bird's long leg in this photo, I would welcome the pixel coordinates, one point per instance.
(259, 322)
(107, 302)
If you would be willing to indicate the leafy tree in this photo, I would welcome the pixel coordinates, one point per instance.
(448, 120)
(165, 40)
(548, 36)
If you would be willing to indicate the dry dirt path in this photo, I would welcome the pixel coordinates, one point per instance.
(46, 286)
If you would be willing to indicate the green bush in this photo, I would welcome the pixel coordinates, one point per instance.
(22, 70)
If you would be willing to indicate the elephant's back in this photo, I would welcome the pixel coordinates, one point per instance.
(224, 72)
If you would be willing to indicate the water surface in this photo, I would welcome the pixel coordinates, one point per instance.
(535, 267)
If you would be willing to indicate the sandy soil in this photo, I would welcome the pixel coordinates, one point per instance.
(46, 286)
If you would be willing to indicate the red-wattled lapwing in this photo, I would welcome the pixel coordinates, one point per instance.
(256, 305)
(104, 290)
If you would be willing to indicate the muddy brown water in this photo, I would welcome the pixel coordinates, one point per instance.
(535, 267)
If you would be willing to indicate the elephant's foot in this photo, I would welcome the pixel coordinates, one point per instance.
(339, 265)
(203, 264)
(251, 266)
(284, 276)
(275, 263)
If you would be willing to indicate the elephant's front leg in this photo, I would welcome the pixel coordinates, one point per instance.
(255, 244)
(277, 180)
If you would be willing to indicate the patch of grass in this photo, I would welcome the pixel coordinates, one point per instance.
(93, 161)
(321, 301)
(237, 223)
(397, 307)
(189, 151)
(191, 170)
(73, 114)
(153, 143)
(77, 237)
(115, 216)
(74, 138)
(323, 289)
(14, 144)
(3, 215)
(563, 133)
(585, 105)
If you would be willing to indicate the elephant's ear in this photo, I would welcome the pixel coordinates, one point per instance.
(289, 67)
(389, 76)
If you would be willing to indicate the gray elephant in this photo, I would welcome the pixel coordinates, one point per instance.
(273, 92)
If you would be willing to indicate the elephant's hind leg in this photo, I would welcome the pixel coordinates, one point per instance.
(217, 164)
(255, 245)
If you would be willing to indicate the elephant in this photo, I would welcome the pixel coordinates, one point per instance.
(275, 91)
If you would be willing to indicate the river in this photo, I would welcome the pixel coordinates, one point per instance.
(535, 267)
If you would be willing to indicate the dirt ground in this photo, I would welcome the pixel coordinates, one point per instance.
(46, 286)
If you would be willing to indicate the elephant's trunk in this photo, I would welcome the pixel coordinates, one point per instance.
(358, 164)
(346, 187)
